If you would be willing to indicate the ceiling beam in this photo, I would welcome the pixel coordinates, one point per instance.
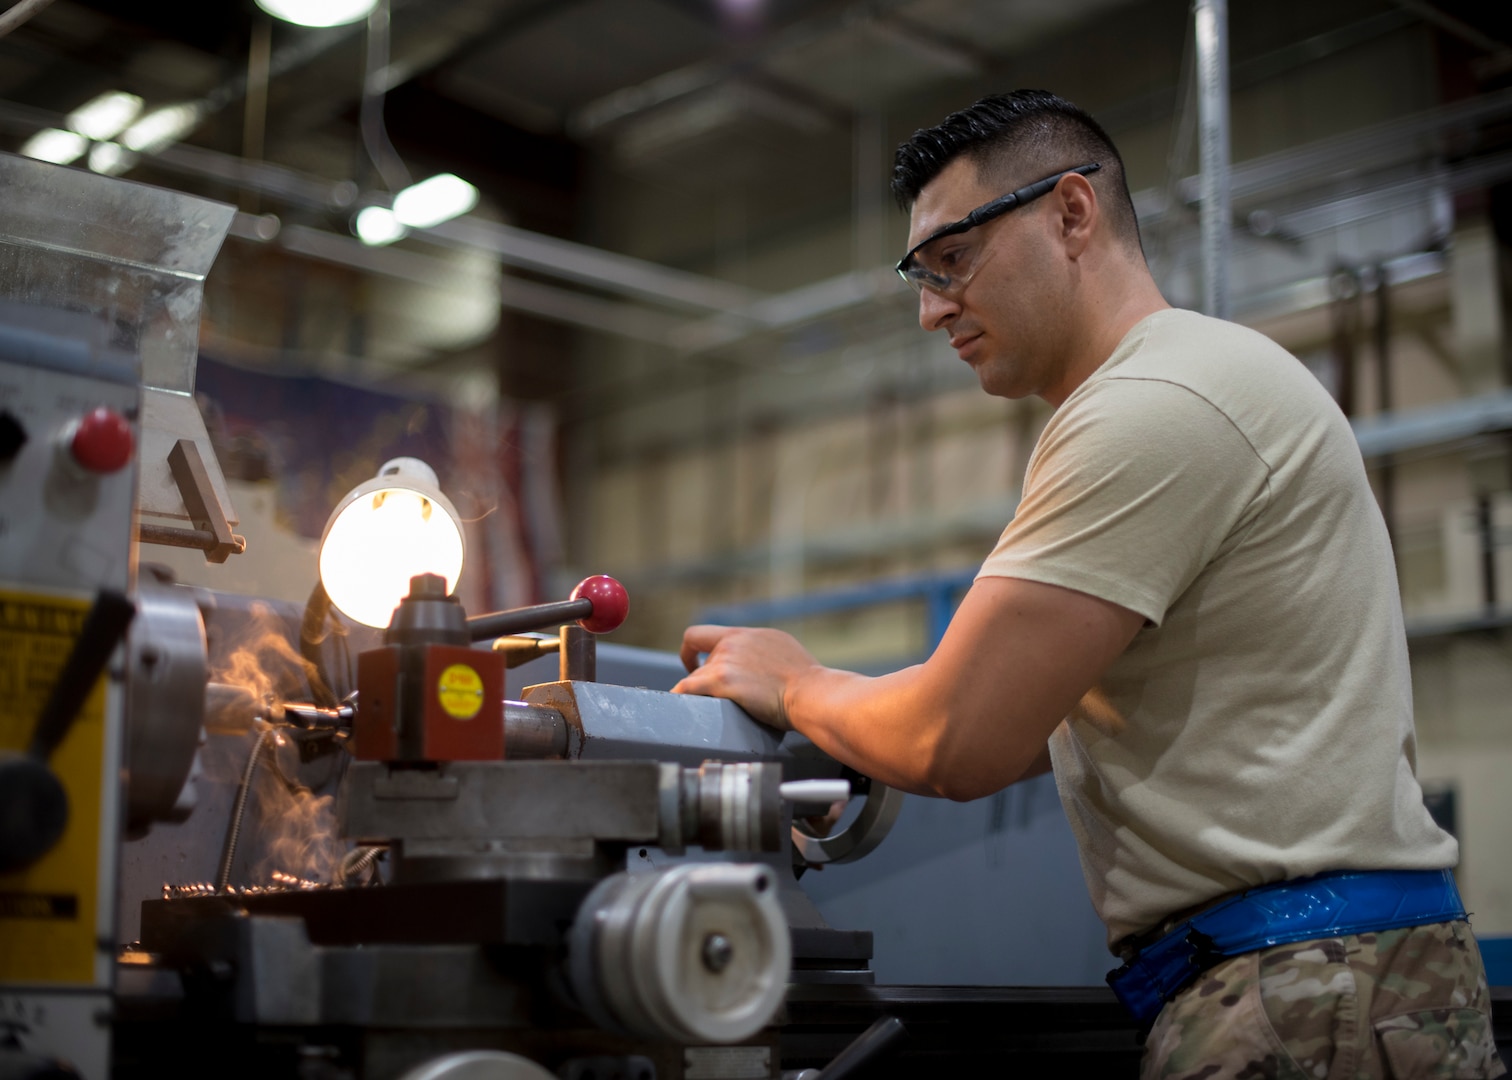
(670, 86)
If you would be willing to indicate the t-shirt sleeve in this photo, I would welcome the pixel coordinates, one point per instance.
(1134, 487)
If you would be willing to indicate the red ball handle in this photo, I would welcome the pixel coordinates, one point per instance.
(611, 603)
(102, 441)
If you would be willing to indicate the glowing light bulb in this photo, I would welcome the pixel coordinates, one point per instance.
(385, 532)
(318, 12)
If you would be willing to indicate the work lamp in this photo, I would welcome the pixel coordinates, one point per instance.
(318, 12)
(384, 532)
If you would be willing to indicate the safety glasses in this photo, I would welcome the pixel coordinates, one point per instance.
(946, 259)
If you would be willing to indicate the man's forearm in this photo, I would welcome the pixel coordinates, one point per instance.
(895, 729)
(871, 724)
(973, 718)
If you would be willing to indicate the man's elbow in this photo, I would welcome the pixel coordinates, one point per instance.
(962, 790)
(962, 773)
(962, 780)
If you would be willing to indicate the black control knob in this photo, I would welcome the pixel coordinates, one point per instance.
(12, 437)
(19, 1065)
(33, 811)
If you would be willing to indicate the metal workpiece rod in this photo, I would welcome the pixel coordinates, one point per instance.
(579, 655)
(230, 709)
(533, 731)
(306, 715)
(1213, 141)
(523, 620)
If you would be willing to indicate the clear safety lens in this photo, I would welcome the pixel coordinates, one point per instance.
(943, 264)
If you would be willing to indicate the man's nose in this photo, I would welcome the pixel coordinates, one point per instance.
(936, 311)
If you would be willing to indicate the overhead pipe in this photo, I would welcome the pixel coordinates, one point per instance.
(1213, 147)
(1385, 400)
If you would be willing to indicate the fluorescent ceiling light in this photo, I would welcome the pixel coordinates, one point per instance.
(377, 226)
(430, 202)
(106, 116)
(60, 147)
(110, 158)
(161, 127)
(318, 12)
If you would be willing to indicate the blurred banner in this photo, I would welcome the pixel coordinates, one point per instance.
(315, 439)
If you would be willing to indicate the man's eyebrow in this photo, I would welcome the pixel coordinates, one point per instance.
(934, 227)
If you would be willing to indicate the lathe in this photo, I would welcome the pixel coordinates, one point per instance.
(474, 873)
(243, 836)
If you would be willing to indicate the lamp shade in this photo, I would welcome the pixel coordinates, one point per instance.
(318, 12)
(384, 532)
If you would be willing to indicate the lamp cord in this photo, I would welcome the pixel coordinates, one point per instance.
(315, 628)
(375, 137)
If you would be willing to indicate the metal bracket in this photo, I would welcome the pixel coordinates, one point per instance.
(212, 532)
(521, 649)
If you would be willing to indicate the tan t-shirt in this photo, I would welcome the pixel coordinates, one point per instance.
(1260, 726)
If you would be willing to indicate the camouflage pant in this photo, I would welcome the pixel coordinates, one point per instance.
(1399, 1004)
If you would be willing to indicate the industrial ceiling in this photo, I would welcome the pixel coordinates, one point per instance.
(674, 131)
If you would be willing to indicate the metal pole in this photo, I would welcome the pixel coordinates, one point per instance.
(1213, 141)
(1385, 403)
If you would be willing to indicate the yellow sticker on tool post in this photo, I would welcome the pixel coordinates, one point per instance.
(461, 691)
(48, 910)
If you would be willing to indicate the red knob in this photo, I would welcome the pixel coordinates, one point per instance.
(611, 603)
(102, 443)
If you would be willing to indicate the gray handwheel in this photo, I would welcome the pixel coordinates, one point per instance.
(478, 1065)
(860, 837)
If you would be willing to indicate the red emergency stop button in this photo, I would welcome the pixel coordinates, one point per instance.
(102, 443)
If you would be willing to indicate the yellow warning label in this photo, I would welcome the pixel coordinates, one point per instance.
(48, 911)
(461, 691)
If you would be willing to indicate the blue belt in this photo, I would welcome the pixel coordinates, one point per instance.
(1304, 909)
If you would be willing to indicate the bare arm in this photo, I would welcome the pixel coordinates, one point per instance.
(1039, 766)
(972, 719)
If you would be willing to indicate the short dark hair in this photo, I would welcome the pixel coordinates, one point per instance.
(1020, 132)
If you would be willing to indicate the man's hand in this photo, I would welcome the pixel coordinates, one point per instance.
(756, 669)
(1018, 657)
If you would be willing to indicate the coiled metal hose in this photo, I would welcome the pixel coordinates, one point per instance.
(239, 811)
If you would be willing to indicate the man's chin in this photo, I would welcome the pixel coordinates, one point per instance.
(998, 384)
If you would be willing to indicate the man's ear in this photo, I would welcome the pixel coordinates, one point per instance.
(1076, 201)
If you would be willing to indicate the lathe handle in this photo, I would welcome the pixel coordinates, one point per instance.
(103, 629)
(867, 1047)
(33, 802)
(598, 604)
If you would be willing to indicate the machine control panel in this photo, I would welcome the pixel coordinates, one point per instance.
(67, 477)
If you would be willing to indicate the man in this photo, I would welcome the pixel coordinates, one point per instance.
(1193, 616)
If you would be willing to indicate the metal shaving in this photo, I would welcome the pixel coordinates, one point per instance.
(281, 883)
